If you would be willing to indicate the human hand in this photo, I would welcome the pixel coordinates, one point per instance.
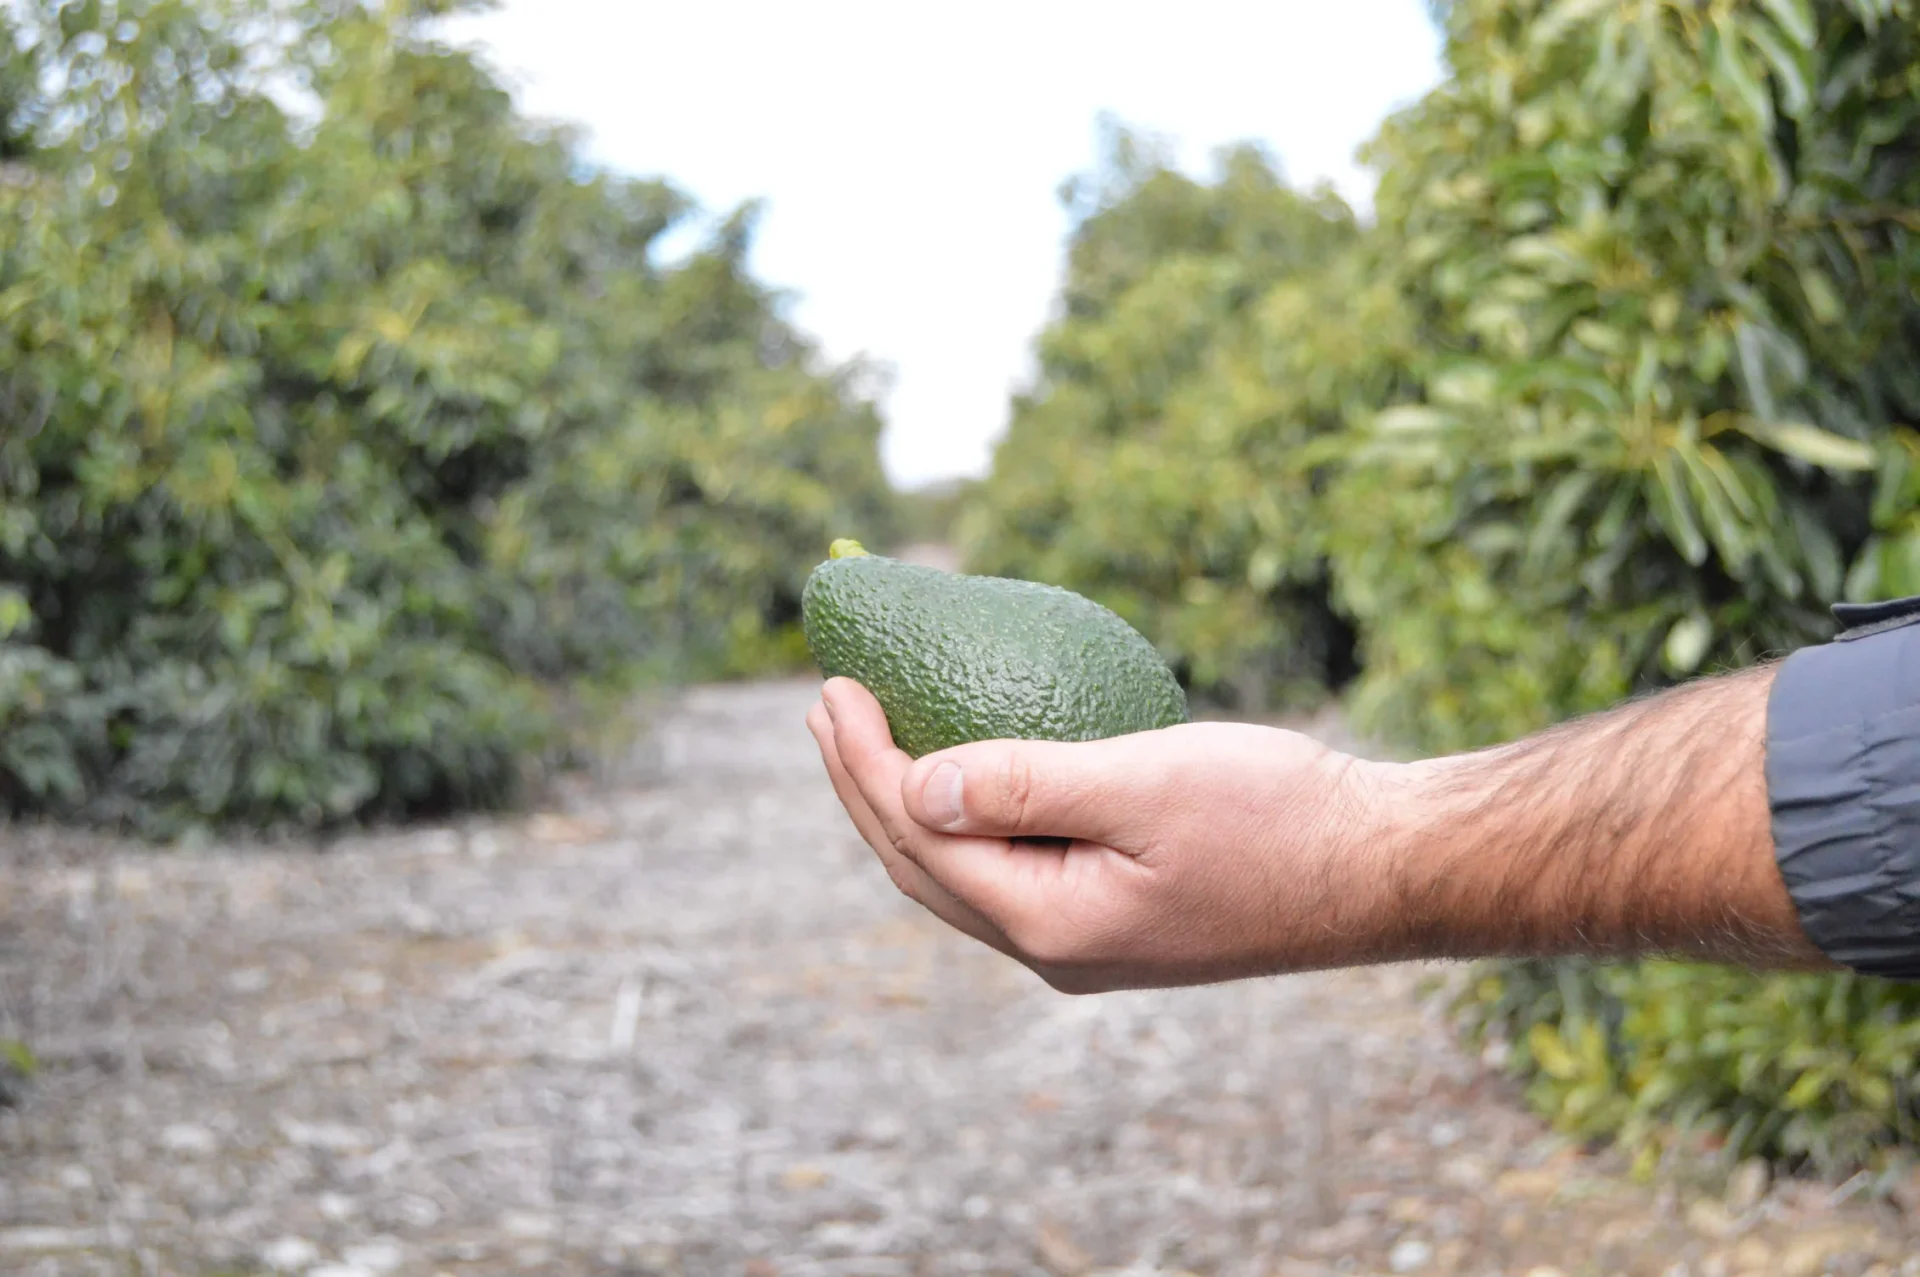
(1197, 853)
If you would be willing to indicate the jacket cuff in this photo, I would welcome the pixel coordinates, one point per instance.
(1843, 781)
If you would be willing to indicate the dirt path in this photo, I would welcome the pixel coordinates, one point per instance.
(683, 1026)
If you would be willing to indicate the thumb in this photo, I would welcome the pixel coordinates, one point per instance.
(1015, 788)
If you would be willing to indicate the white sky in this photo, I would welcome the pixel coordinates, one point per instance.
(910, 154)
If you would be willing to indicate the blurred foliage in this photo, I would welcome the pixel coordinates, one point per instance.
(1658, 262)
(1617, 389)
(346, 420)
(930, 514)
(1815, 1069)
(1156, 465)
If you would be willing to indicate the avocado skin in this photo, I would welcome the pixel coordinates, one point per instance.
(953, 659)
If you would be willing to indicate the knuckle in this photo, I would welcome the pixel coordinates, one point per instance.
(903, 849)
(902, 876)
(1016, 787)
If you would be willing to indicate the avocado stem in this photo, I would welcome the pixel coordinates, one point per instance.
(846, 548)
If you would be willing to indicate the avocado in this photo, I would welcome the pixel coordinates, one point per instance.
(953, 658)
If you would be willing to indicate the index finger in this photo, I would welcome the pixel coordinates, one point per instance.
(1006, 883)
(912, 880)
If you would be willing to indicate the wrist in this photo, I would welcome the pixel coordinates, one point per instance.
(1442, 889)
(1413, 883)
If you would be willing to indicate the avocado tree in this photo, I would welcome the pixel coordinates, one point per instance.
(349, 421)
(1156, 465)
(1658, 262)
(1656, 265)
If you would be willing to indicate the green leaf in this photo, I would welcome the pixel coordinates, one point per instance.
(1818, 550)
(1811, 444)
(1548, 538)
(1793, 73)
(1822, 298)
(1687, 643)
(1728, 480)
(1674, 509)
(1875, 1092)
(1807, 1090)
(1559, 18)
(1411, 419)
(1891, 494)
(1551, 1054)
(15, 613)
(1717, 512)
(1735, 73)
(1795, 20)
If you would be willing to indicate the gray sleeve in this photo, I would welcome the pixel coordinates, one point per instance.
(1843, 779)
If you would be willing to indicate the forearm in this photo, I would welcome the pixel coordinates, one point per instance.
(1642, 830)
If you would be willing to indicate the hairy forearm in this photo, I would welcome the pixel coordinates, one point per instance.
(1644, 830)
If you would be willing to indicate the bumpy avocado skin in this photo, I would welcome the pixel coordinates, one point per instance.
(953, 659)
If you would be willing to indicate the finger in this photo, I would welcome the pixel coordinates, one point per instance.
(865, 746)
(1005, 884)
(866, 749)
(868, 825)
(858, 809)
(912, 880)
(1101, 791)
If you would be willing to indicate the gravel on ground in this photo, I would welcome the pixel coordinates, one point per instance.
(679, 1023)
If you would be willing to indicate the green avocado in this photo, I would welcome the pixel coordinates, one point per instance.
(953, 659)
